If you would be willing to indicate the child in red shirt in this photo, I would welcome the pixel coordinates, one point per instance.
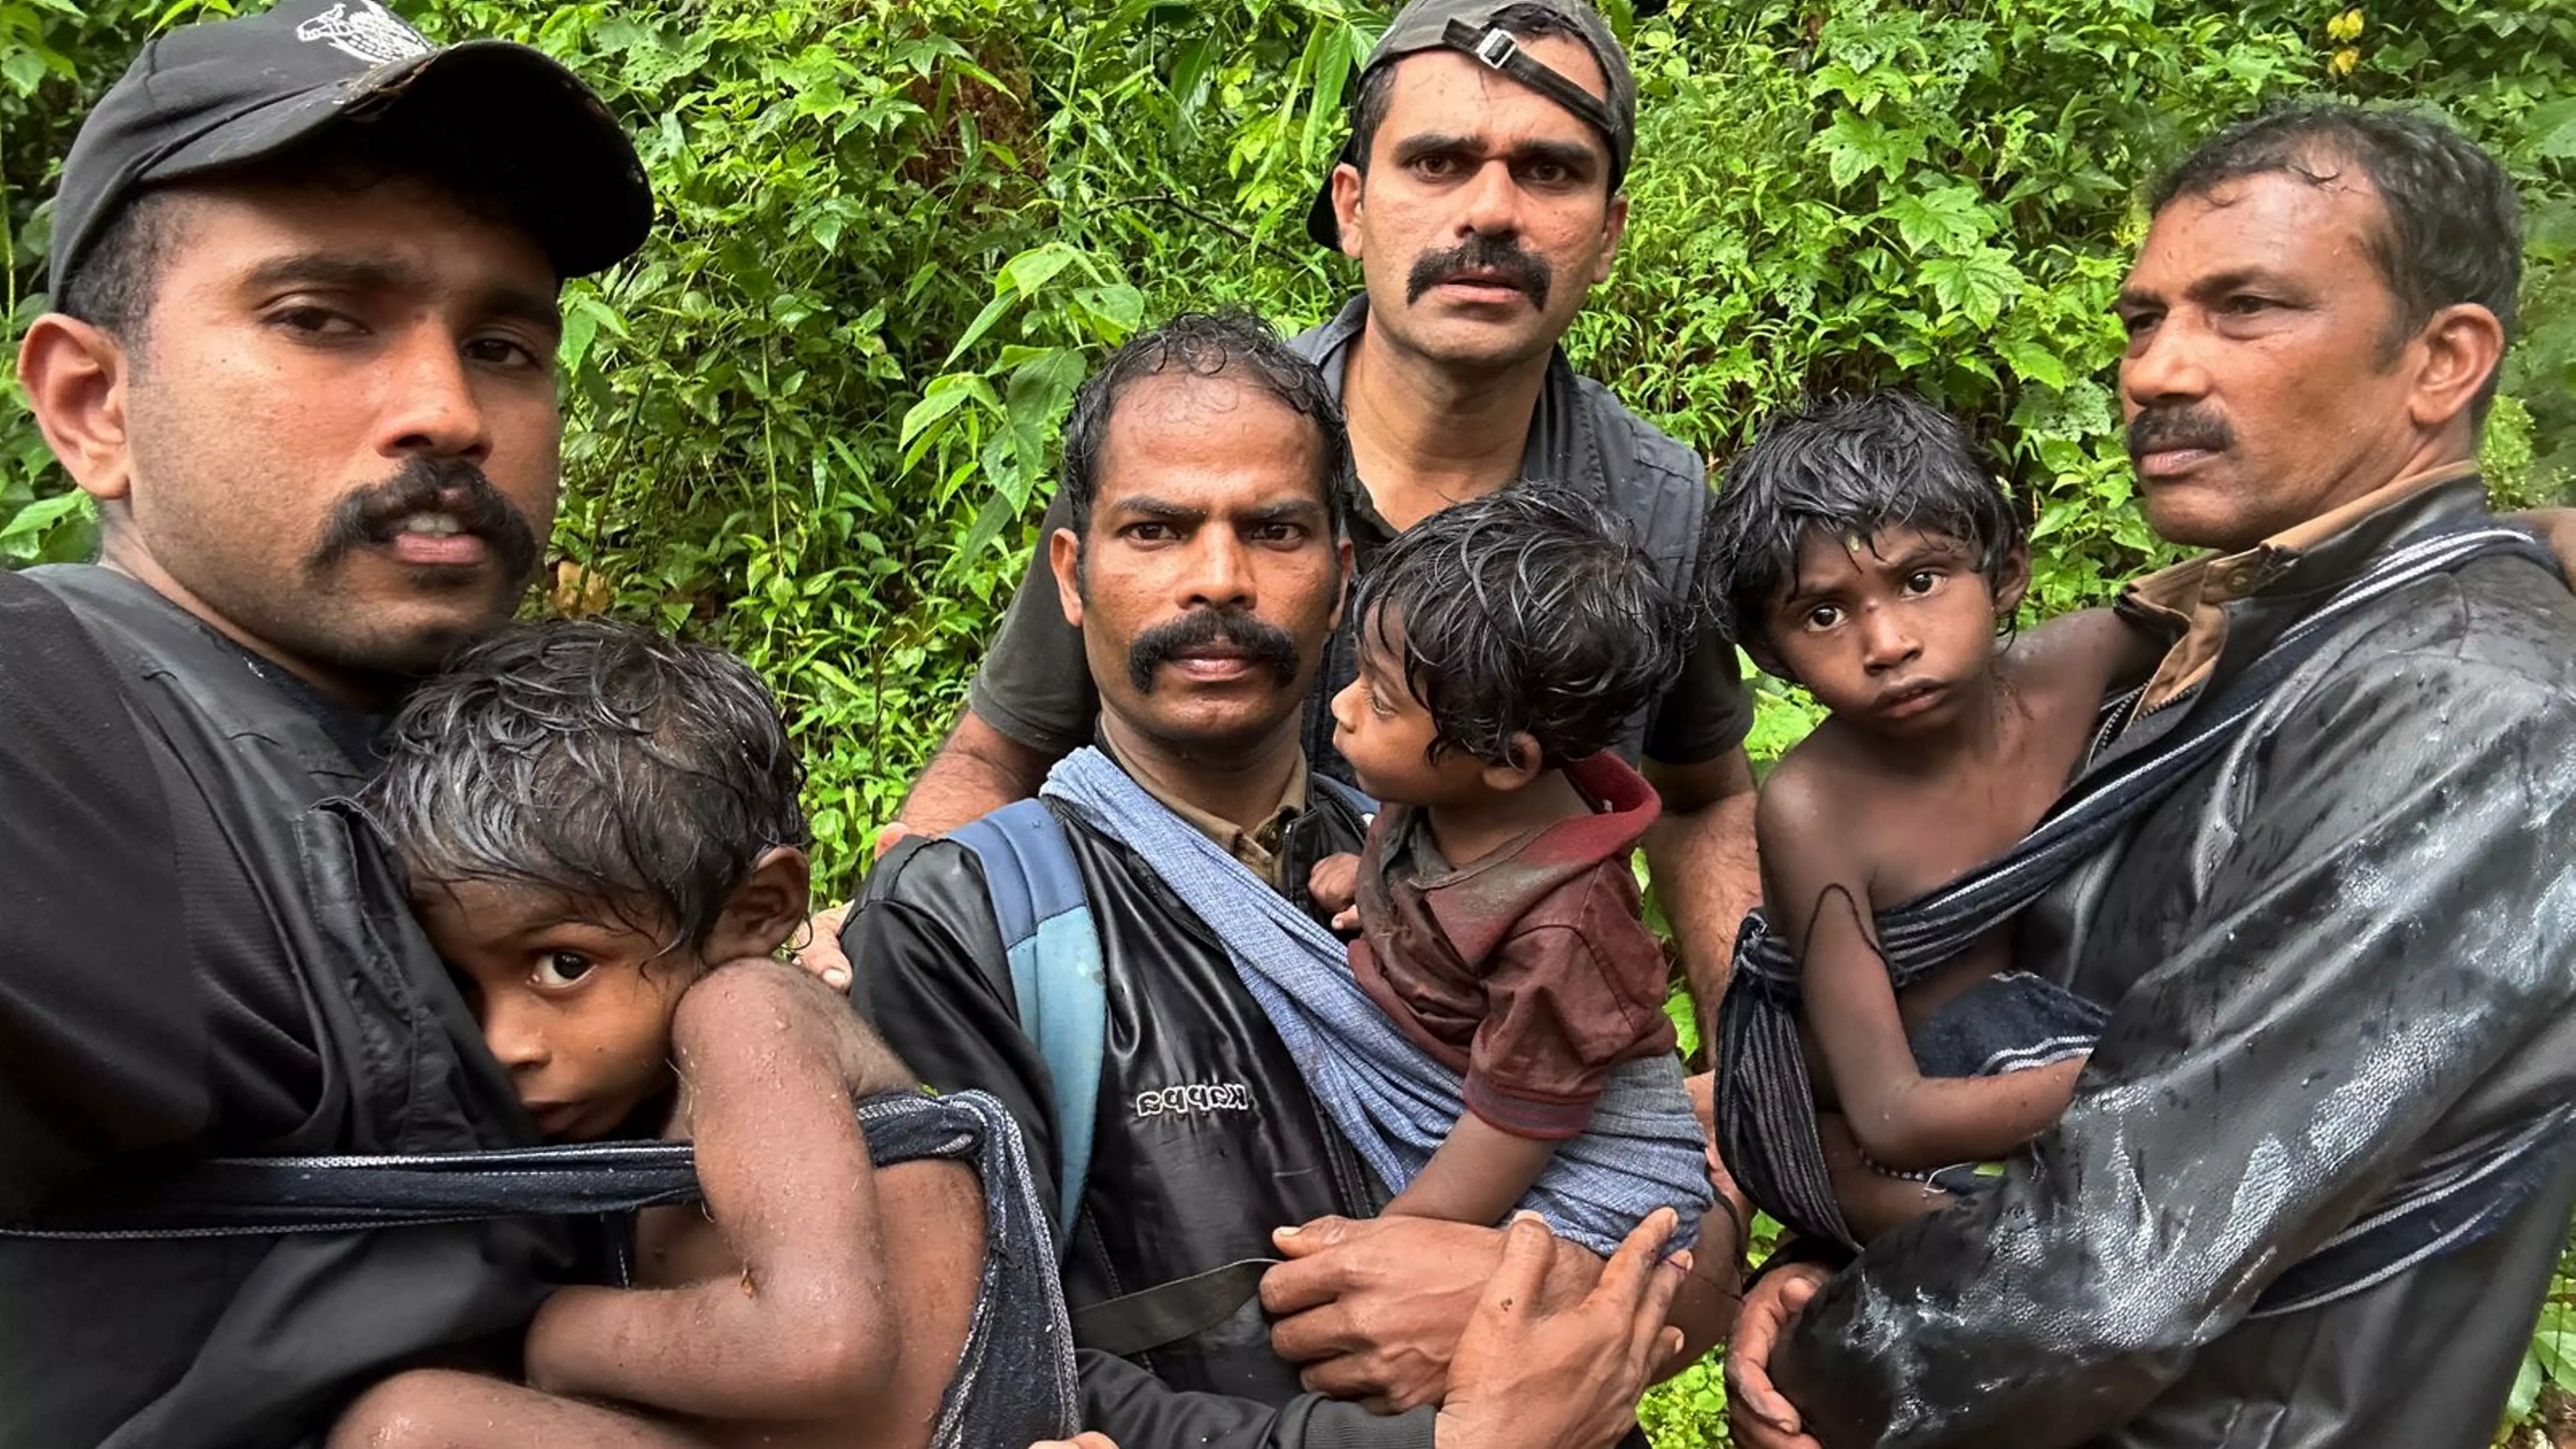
(1502, 643)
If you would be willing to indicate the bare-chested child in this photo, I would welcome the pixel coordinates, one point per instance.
(603, 838)
(1863, 553)
(1502, 643)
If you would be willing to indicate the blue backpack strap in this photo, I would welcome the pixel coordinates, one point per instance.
(1054, 955)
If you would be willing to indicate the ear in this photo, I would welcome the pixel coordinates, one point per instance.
(2014, 582)
(1347, 184)
(1613, 228)
(766, 909)
(1525, 766)
(75, 376)
(1064, 556)
(2462, 345)
(1342, 568)
(1767, 659)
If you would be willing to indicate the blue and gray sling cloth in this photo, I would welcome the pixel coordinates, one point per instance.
(1014, 1378)
(1766, 1112)
(1390, 1098)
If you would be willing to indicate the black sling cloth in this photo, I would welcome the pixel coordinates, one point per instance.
(1766, 1111)
(1014, 1381)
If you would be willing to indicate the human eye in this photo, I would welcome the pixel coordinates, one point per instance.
(506, 352)
(562, 968)
(309, 319)
(2137, 321)
(1922, 581)
(1547, 175)
(1823, 616)
(1435, 166)
(1284, 534)
(1148, 531)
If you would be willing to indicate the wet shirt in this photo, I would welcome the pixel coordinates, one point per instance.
(1530, 971)
(1261, 849)
(1035, 685)
(143, 1005)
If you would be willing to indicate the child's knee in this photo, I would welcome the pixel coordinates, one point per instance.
(408, 1411)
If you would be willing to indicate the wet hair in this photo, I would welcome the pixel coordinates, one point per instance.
(595, 759)
(1529, 610)
(1233, 345)
(2452, 227)
(1846, 467)
(1529, 20)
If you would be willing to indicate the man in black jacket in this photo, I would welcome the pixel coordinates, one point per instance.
(1204, 565)
(2341, 956)
(304, 268)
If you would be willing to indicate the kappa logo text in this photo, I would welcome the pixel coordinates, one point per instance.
(1197, 1097)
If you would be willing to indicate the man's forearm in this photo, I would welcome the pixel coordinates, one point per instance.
(1707, 877)
(977, 770)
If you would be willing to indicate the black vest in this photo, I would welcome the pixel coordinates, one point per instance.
(226, 1343)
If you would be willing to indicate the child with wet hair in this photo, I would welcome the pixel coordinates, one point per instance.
(1858, 549)
(603, 840)
(1502, 642)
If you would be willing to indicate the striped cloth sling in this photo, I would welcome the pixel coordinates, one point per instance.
(1766, 1110)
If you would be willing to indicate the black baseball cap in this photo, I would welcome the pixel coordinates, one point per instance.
(1467, 26)
(209, 98)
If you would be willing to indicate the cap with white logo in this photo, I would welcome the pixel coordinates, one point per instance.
(204, 99)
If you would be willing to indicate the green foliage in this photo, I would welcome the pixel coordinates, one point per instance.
(813, 421)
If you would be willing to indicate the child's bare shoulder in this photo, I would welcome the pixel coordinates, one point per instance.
(753, 1009)
(1814, 803)
(2085, 652)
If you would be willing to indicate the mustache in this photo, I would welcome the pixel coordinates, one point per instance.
(1263, 642)
(374, 515)
(1525, 270)
(2158, 429)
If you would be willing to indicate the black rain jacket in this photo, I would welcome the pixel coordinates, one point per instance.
(225, 1342)
(1206, 1138)
(2345, 946)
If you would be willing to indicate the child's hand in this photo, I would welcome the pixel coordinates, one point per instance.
(1335, 885)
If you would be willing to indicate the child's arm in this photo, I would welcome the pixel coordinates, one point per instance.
(1818, 891)
(804, 1333)
(1480, 1173)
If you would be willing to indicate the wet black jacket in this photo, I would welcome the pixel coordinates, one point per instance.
(2344, 946)
(192, 962)
(1206, 1138)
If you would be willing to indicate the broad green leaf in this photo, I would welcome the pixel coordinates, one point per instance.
(44, 513)
(1977, 284)
(1949, 218)
(944, 396)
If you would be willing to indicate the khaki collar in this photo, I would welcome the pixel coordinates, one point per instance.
(1257, 849)
(2189, 599)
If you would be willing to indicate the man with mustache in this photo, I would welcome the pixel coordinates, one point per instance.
(2315, 1178)
(302, 357)
(1204, 566)
(304, 269)
(1480, 191)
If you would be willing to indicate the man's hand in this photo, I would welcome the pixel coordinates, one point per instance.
(820, 956)
(1374, 1309)
(1078, 1441)
(1334, 884)
(1757, 1414)
(1535, 1368)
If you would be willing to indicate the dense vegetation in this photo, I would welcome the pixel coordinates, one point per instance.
(813, 421)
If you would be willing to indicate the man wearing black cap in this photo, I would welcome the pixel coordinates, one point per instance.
(304, 266)
(1480, 192)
